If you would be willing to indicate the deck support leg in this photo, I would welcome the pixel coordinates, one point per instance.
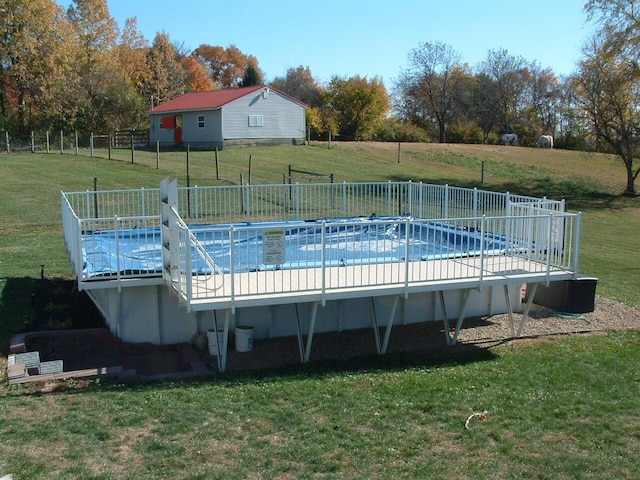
(222, 351)
(527, 308)
(445, 319)
(507, 300)
(463, 309)
(381, 348)
(305, 347)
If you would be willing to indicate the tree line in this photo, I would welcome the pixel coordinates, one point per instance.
(74, 69)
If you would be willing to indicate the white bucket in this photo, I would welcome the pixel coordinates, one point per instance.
(244, 338)
(215, 340)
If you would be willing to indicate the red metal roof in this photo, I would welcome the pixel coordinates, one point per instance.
(207, 100)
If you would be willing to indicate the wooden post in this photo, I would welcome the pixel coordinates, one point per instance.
(6, 136)
(61, 142)
(250, 161)
(131, 136)
(76, 142)
(91, 143)
(33, 143)
(48, 145)
(399, 152)
(217, 171)
(110, 145)
(482, 173)
(157, 154)
(329, 139)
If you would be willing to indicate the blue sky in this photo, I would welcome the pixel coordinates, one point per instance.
(366, 37)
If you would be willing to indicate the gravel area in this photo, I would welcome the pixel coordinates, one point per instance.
(483, 332)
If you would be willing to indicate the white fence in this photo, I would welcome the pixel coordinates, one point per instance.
(490, 234)
(250, 203)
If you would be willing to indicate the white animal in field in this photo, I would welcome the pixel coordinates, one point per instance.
(509, 139)
(545, 141)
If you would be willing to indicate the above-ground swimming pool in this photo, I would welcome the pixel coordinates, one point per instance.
(304, 244)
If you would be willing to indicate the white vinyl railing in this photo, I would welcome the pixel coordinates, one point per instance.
(511, 233)
(505, 246)
(250, 203)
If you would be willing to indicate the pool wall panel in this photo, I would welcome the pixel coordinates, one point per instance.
(152, 314)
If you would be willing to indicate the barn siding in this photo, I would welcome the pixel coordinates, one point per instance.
(163, 135)
(212, 131)
(282, 118)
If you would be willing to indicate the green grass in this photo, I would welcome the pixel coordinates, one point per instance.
(555, 409)
(560, 409)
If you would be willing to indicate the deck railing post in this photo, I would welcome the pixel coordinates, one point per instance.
(446, 202)
(143, 204)
(344, 199)
(420, 200)
(549, 238)
(576, 244)
(475, 202)
(481, 270)
(188, 246)
(232, 267)
(115, 231)
(197, 212)
(406, 257)
(323, 261)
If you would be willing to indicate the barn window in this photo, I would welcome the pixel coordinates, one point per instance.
(200, 121)
(255, 121)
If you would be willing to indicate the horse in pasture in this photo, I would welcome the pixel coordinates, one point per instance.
(545, 141)
(510, 139)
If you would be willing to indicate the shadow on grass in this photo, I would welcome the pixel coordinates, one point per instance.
(435, 357)
(367, 364)
(29, 304)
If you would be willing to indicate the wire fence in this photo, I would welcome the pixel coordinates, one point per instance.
(70, 142)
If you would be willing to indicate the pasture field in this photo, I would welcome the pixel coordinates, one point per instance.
(556, 408)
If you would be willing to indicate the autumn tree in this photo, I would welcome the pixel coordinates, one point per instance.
(166, 78)
(607, 85)
(357, 105)
(508, 75)
(131, 54)
(197, 79)
(96, 34)
(226, 66)
(300, 84)
(428, 88)
(33, 49)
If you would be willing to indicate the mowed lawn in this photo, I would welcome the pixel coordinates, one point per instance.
(553, 408)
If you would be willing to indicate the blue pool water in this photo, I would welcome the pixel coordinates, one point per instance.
(347, 242)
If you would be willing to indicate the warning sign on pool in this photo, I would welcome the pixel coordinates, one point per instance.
(273, 248)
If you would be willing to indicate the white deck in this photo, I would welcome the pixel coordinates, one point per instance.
(499, 240)
(339, 282)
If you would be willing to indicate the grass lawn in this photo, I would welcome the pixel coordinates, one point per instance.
(557, 409)
(562, 408)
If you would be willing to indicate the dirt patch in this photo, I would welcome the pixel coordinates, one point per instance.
(90, 348)
(482, 332)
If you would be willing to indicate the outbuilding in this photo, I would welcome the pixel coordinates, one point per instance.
(237, 117)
